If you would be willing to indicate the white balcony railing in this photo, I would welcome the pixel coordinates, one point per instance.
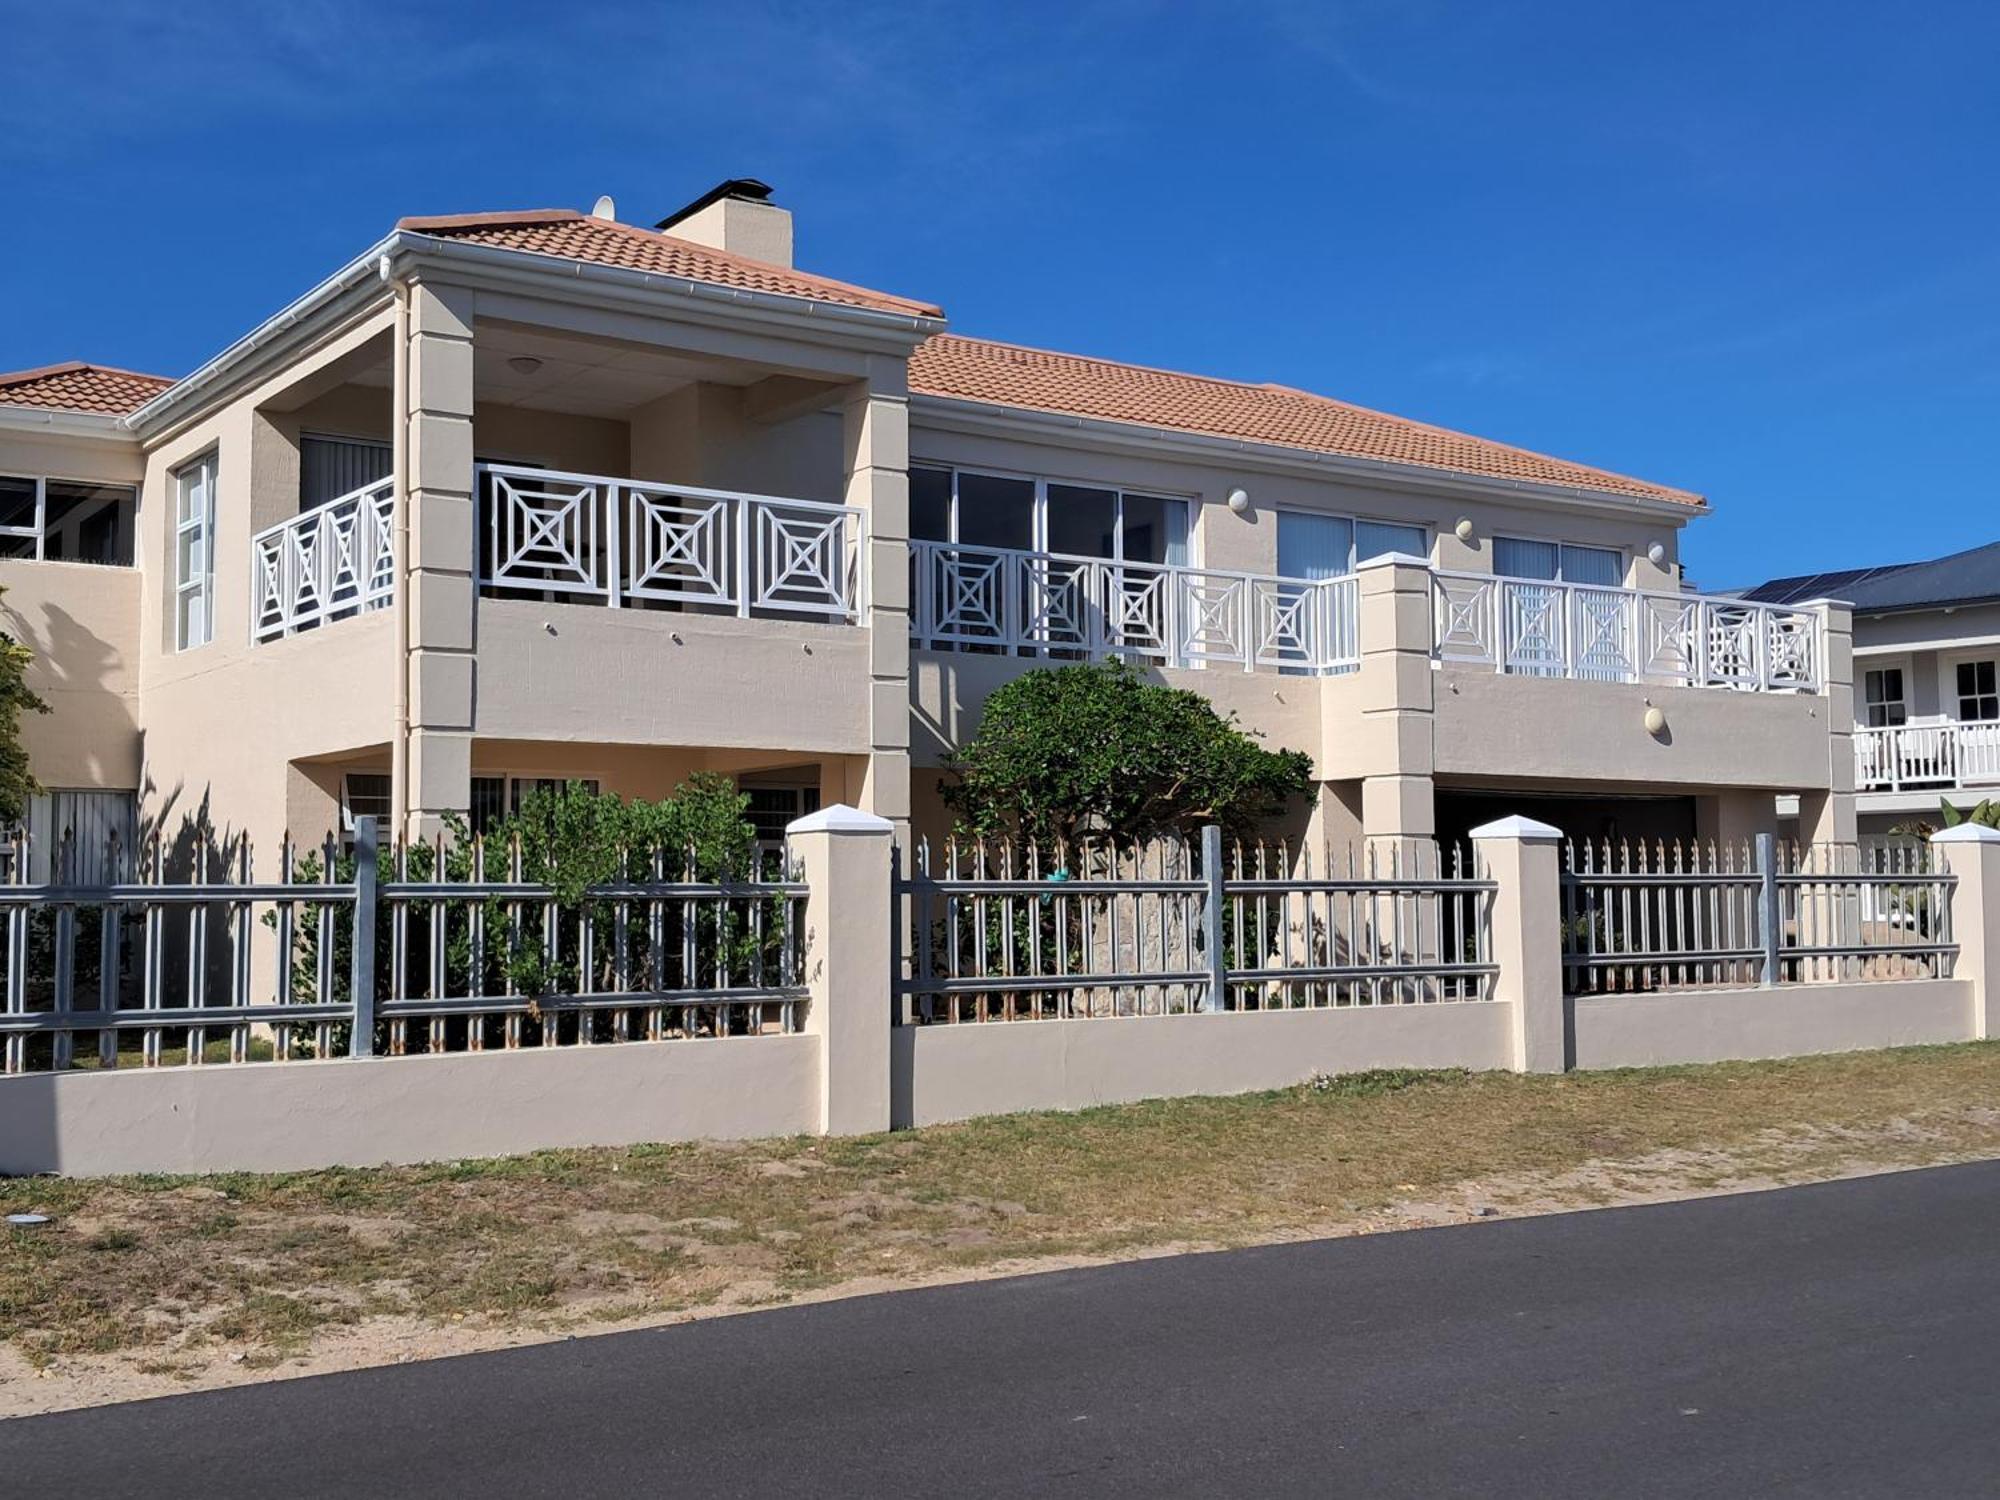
(1927, 757)
(1049, 604)
(323, 564)
(1538, 629)
(627, 542)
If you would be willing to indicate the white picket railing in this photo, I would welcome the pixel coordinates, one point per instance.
(1055, 605)
(1537, 629)
(629, 542)
(324, 564)
(1927, 756)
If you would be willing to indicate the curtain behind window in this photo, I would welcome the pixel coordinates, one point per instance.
(332, 467)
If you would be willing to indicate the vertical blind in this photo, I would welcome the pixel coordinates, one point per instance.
(332, 467)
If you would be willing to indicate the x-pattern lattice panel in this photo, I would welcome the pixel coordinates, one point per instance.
(1465, 619)
(1287, 615)
(547, 534)
(679, 548)
(801, 561)
(968, 591)
(1211, 617)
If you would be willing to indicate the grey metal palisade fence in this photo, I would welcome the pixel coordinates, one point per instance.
(398, 957)
(1005, 931)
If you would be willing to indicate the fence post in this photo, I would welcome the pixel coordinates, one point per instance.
(1211, 918)
(850, 963)
(1520, 856)
(1971, 852)
(1770, 919)
(361, 1035)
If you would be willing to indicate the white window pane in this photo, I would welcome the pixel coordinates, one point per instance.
(1599, 566)
(1515, 558)
(1376, 538)
(1313, 546)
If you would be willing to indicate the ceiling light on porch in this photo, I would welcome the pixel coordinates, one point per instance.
(524, 364)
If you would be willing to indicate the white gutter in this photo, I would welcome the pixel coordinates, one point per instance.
(282, 321)
(951, 413)
(46, 421)
(399, 510)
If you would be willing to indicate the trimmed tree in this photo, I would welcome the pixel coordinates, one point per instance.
(1067, 751)
(17, 782)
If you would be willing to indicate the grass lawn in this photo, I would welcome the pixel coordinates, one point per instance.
(169, 1276)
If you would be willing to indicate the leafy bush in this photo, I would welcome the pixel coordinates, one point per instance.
(1067, 751)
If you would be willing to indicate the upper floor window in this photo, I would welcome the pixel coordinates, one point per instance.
(67, 520)
(1882, 694)
(1312, 545)
(1558, 562)
(1041, 515)
(194, 549)
(1978, 693)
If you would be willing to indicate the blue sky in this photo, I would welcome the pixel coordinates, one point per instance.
(1748, 249)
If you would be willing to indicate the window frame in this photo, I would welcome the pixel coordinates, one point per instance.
(1900, 703)
(1960, 697)
(1038, 529)
(40, 529)
(1354, 520)
(1562, 544)
(202, 525)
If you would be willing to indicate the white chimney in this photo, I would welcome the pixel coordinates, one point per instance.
(737, 216)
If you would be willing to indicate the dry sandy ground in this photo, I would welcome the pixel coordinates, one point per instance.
(1774, 1159)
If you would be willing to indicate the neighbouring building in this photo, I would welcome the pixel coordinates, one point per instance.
(1926, 681)
(517, 497)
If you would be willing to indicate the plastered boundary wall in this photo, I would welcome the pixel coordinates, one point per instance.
(850, 1072)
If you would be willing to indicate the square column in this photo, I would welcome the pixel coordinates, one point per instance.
(437, 574)
(875, 424)
(1397, 702)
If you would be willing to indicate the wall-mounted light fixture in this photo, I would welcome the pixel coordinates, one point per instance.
(1657, 554)
(524, 364)
(1239, 501)
(1656, 721)
(1465, 531)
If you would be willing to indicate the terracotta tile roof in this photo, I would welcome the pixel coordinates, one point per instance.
(1007, 375)
(76, 386)
(570, 235)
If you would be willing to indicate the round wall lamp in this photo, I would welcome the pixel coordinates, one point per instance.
(1656, 721)
(1239, 501)
(1464, 530)
(1656, 554)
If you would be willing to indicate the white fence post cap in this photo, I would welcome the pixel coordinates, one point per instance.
(839, 818)
(1967, 833)
(1517, 827)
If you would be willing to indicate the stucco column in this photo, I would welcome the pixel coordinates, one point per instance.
(1521, 857)
(1398, 798)
(844, 854)
(1971, 851)
(1827, 816)
(876, 433)
(438, 573)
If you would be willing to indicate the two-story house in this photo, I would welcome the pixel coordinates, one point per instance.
(1926, 681)
(512, 497)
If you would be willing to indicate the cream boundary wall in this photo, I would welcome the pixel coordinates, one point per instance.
(290, 1117)
(944, 1073)
(1718, 1025)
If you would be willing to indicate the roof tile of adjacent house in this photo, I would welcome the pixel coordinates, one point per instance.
(1009, 375)
(570, 235)
(77, 386)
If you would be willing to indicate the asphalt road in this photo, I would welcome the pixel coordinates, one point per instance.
(1826, 1341)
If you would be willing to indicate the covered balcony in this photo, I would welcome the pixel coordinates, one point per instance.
(1947, 755)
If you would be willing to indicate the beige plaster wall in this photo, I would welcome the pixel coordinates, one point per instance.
(960, 1072)
(82, 623)
(1712, 1026)
(287, 1117)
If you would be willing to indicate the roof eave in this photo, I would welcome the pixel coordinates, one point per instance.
(985, 415)
(404, 250)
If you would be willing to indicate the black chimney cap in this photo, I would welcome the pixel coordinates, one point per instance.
(749, 189)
